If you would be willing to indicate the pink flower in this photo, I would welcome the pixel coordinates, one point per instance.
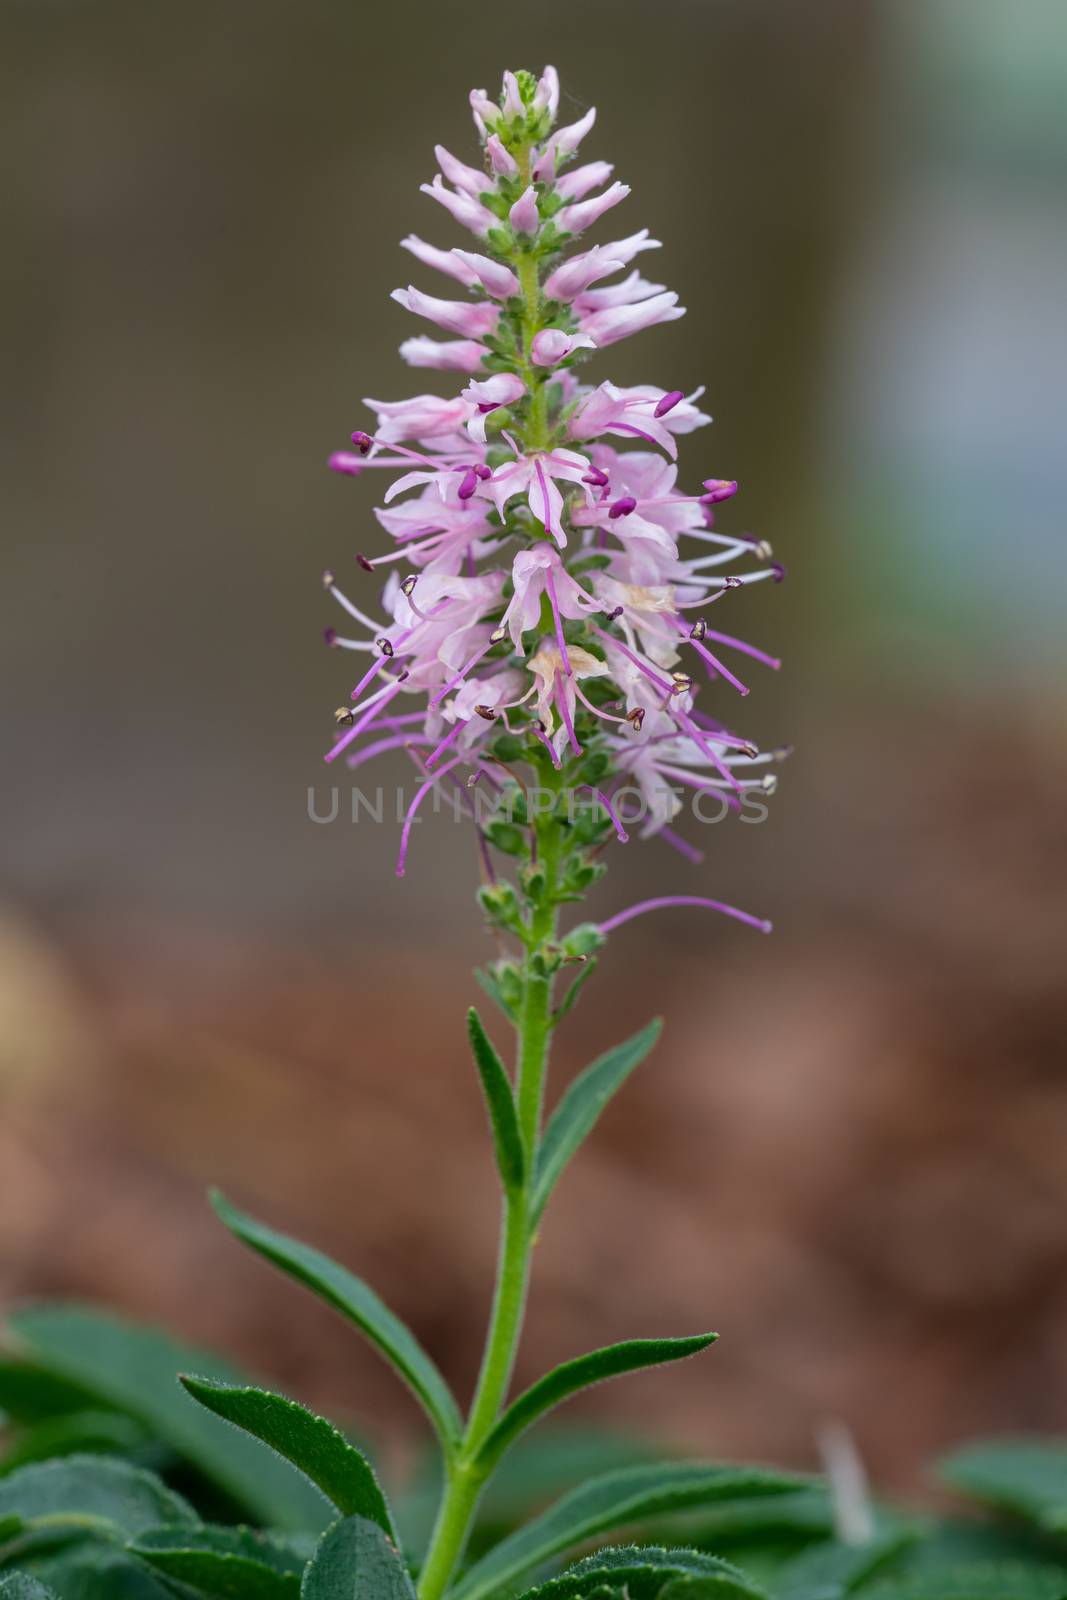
(447, 261)
(446, 355)
(536, 572)
(468, 212)
(552, 345)
(632, 413)
(425, 416)
(502, 389)
(535, 476)
(471, 321)
(504, 164)
(524, 216)
(630, 291)
(468, 180)
(557, 677)
(570, 278)
(494, 277)
(577, 184)
(618, 322)
(576, 218)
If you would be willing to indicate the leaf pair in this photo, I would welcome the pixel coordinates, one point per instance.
(575, 1116)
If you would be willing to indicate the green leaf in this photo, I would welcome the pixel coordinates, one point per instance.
(567, 1004)
(833, 1571)
(616, 1500)
(30, 1394)
(580, 1107)
(647, 1572)
(565, 1380)
(356, 1561)
(136, 1370)
(354, 1300)
(991, 1580)
(91, 1493)
(225, 1563)
(20, 1587)
(500, 1101)
(312, 1444)
(94, 1569)
(1024, 1475)
(77, 1433)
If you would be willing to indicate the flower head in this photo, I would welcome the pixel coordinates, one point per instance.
(548, 598)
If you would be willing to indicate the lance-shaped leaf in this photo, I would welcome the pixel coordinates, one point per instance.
(355, 1560)
(580, 1107)
(135, 1370)
(500, 1102)
(647, 1572)
(565, 1380)
(353, 1299)
(1024, 1475)
(616, 1500)
(235, 1563)
(312, 1444)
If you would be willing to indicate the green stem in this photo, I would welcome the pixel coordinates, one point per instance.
(466, 1475)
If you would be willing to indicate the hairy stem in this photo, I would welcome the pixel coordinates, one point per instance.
(466, 1476)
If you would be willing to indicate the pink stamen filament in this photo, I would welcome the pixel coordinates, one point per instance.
(445, 742)
(371, 710)
(620, 832)
(554, 603)
(564, 711)
(395, 741)
(461, 674)
(712, 660)
(420, 795)
(661, 902)
(683, 847)
(748, 649)
(549, 746)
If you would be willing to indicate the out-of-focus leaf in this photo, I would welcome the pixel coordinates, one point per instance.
(616, 1500)
(91, 1492)
(29, 1394)
(834, 1571)
(224, 1563)
(580, 1107)
(356, 1561)
(77, 1433)
(1027, 1476)
(136, 1370)
(984, 1581)
(312, 1444)
(353, 1299)
(647, 1572)
(95, 1569)
(20, 1587)
(584, 1371)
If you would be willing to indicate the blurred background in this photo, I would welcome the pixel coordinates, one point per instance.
(848, 1153)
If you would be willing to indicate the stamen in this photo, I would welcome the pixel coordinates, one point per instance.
(663, 901)
(719, 489)
(683, 847)
(344, 716)
(740, 644)
(420, 795)
(564, 710)
(537, 728)
(712, 661)
(622, 507)
(668, 403)
(620, 832)
(448, 740)
(461, 674)
(550, 588)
